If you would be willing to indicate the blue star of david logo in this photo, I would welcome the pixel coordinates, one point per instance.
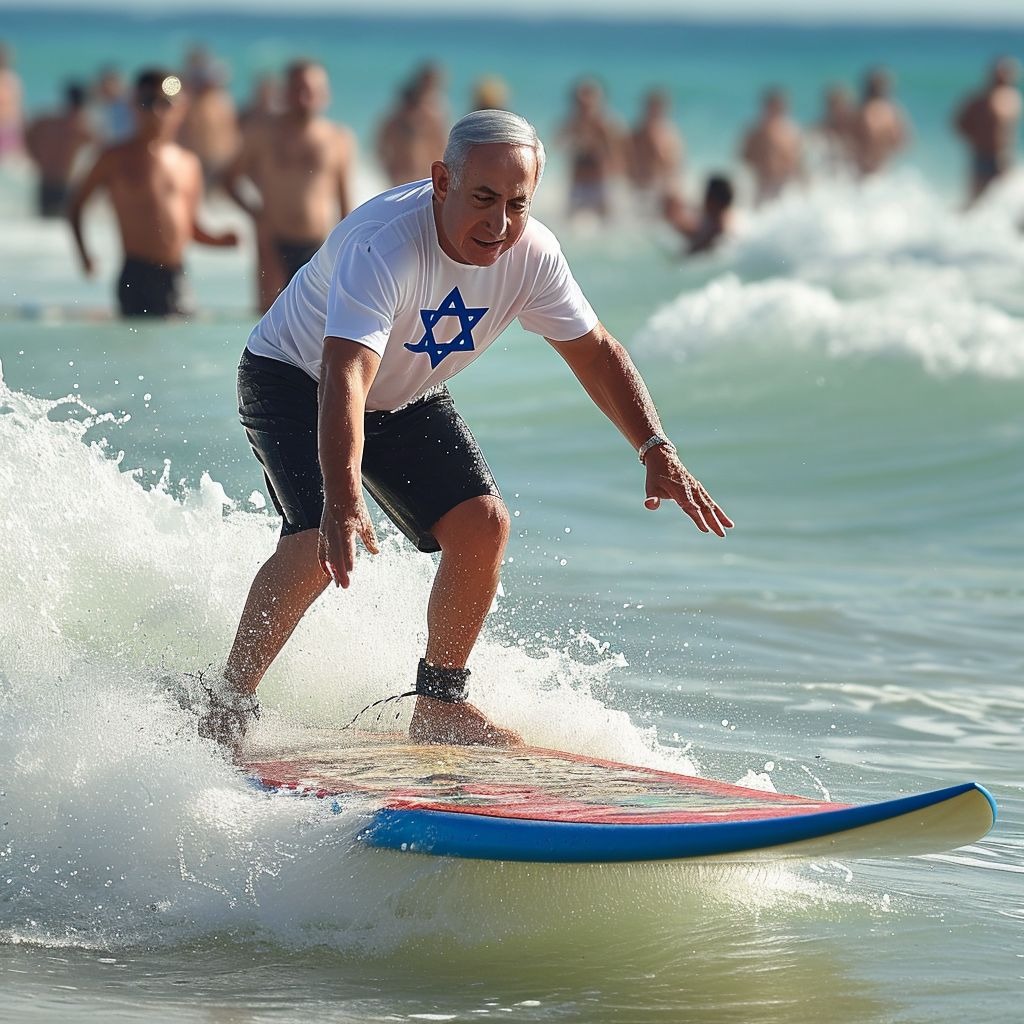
(451, 305)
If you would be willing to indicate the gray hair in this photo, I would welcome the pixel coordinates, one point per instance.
(483, 127)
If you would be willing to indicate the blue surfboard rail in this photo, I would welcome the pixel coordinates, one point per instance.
(480, 836)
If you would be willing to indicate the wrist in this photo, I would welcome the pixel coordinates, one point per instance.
(342, 490)
(655, 445)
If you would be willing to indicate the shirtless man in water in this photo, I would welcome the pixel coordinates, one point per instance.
(301, 164)
(595, 143)
(656, 149)
(53, 141)
(773, 148)
(412, 135)
(156, 187)
(987, 121)
(879, 128)
(210, 125)
(11, 114)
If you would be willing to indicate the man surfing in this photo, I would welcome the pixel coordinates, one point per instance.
(342, 386)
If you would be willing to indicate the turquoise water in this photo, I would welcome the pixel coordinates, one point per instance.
(846, 377)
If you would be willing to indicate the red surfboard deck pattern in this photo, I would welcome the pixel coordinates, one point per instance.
(525, 783)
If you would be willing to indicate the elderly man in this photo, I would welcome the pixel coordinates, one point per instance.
(341, 386)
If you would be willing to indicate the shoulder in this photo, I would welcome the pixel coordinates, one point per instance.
(388, 223)
(112, 157)
(540, 240)
(184, 158)
(341, 137)
(539, 252)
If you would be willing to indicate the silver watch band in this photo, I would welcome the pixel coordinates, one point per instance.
(653, 442)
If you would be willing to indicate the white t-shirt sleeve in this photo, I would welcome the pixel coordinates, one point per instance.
(558, 309)
(363, 297)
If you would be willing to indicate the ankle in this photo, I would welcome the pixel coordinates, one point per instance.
(444, 684)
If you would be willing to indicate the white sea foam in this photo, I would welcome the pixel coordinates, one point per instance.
(948, 333)
(879, 269)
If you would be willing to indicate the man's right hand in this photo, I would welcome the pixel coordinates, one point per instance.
(342, 522)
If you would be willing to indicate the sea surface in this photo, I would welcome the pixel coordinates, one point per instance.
(846, 376)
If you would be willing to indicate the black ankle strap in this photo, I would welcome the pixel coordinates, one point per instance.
(447, 684)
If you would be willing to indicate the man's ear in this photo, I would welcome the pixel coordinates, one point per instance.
(441, 178)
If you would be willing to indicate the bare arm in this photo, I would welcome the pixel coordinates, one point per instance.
(225, 239)
(346, 373)
(608, 375)
(98, 177)
(238, 169)
(346, 159)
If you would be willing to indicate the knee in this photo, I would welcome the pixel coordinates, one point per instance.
(478, 527)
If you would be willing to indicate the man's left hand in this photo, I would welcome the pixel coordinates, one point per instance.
(668, 478)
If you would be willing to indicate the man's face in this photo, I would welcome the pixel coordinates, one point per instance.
(308, 91)
(487, 213)
(159, 108)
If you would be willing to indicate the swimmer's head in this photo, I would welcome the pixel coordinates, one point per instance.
(877, 84)
(489, 93)
(156, 89)
(656, 103)
(718, 194)
(307, 89)
(75, 95)
(774, 101)
(1004, 71)
(588, 96)
(158, 103)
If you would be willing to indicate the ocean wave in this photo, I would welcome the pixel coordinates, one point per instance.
(947, 331)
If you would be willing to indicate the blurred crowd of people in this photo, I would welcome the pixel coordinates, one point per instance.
(173, 136)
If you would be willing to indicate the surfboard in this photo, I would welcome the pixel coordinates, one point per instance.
(531, 804)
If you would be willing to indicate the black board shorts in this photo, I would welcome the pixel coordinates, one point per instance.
(151, 289)
(293, 256)
(419, 462)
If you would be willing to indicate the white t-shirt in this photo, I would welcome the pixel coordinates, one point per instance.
(382, 279)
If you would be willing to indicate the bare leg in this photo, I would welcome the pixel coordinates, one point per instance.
(284, 588)
(472, 538)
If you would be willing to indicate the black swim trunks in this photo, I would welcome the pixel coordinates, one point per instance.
(52, 198)
(149, 289)
(294, 255)
(419, 462)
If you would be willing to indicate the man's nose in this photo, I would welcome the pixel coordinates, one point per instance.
(497, 220)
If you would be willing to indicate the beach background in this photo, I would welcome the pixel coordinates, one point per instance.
(846, 375)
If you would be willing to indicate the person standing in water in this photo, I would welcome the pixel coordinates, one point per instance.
(156, 188)
(835, 130)
(879, 128)
(53, 141)
(342, 385)
(11, 113)
(412, 135)
(656, 150)
(301, 165)
(987, 121)
(210, 125)
(595, 143)
(773, 148)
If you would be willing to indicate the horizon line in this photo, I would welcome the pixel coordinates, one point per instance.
(794, 17)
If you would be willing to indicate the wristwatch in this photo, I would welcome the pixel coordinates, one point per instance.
(654, 442)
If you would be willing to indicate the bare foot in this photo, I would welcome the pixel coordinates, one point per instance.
(437, 721)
